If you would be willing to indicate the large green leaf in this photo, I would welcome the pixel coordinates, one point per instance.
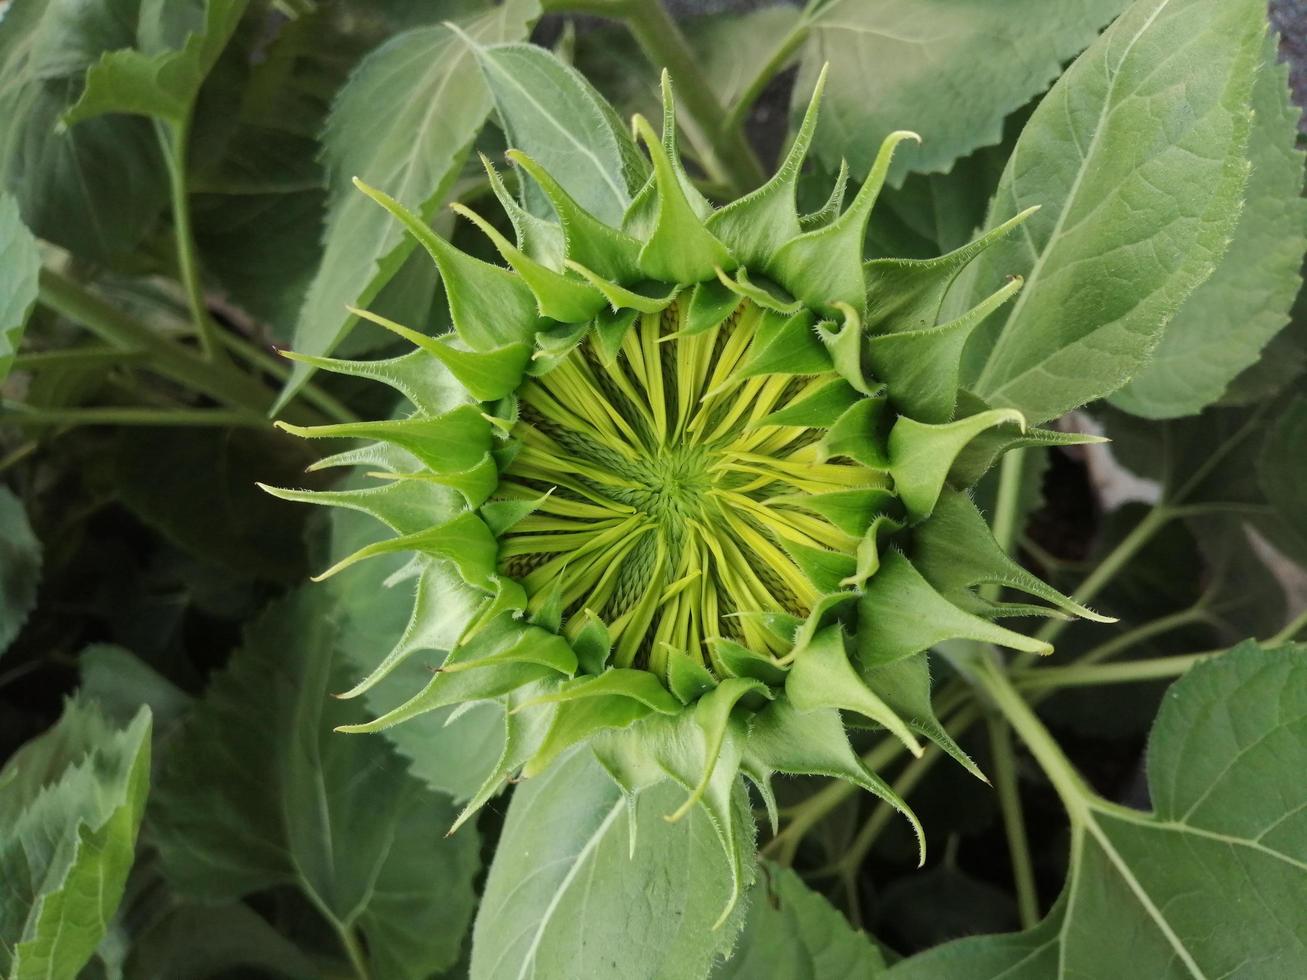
(1137, 159)
(1210, 884)
(70, 806)
(258, 791)
(403, 123)
(95, 189)
(19, 264)
(794, 933)
(1225, 322)
(196, 487)
(197, 941)
(20, 567)
(119, 682)
(571, 895)
(161, 85)
(950, 70)
(550, 112)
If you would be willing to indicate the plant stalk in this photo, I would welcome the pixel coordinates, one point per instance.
(1014, 821)
(1068, 783)
(220, 381)
(1088, 675)
(666, 46)
(780, 56)
(173, 140)
(22, 415)
(1116, 559)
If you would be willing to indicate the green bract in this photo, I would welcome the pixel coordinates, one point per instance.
(688, 488)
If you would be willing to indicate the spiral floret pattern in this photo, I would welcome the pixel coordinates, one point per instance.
(689, 490)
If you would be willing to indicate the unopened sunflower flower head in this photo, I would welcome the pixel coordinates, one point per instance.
(688, 487)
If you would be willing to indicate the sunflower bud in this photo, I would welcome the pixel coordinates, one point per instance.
(700, 480)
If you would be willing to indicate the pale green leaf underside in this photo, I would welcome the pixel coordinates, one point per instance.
(567, 896)
(1137, 159)
(434, 101)
(550, 112)
(1210, 884)
(950, 70)
(793, 932)
(1225, 322)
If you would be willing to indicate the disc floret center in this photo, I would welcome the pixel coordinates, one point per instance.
(675, 509)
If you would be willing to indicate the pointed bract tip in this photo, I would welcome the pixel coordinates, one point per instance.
(819, 86)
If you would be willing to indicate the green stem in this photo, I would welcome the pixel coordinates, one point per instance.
(221, 382)
(1068, 783)
(1008, 499)
(18, 455)
(23, 415)
(1009, 801)
(1291, 630)
(173, 139)
(1116, 559)
(664, 43)
(263, 359)
(76, 357)
(780, 56)
(1089, 675)
(1132, 637)
(1006, 505)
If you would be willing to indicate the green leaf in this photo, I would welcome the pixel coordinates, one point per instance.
(20, 263)
(570, 894)
(550, 112)
(95, 189)
(793, 932)
(1224, 324)
(413, 151)
(1197, 884)
(162, 85)
(196, 487)
(199, 941)
(119, 682)
(70, 806)
(20, 567)
(949, 69)
(1137, 158)
(257, 792)
(376, 614)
